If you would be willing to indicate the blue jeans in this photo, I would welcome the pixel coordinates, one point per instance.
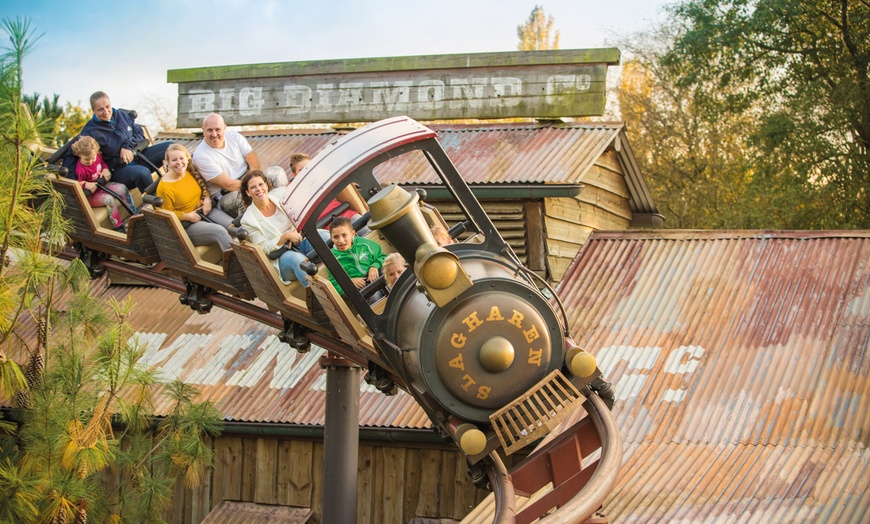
(289, 262)
(137, 173)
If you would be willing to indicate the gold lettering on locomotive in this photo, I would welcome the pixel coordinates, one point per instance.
(494, 314)
(472, 321)
(531, 334)
(517, 319)
(483, 392)
(457, 362)
(535, 356)
(458, 340)
(468, 382)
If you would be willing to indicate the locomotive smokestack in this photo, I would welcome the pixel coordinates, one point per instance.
(396, 214)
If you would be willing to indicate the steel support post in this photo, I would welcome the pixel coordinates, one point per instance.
(340, 441)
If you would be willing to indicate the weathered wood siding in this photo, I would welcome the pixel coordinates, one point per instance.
(547, 83)
(602, 204)
(508, 216)
(395, 483)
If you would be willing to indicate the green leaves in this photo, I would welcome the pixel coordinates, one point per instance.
(537, 32)
(18, 494)
(93, 411)
(11, 378)
(758, 114)
(88, 393)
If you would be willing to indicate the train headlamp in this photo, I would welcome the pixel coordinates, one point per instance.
(471, 440)
(580, 363)
(440, 273)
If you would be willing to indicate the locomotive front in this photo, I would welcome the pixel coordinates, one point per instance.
(474, 332)
(484, 349)
(467, 330)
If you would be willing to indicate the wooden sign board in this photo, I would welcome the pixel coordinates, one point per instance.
(543, 84)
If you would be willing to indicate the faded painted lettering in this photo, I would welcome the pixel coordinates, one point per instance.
(457, 95)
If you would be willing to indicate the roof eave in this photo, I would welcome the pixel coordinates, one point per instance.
(506, 191)
(641, 199)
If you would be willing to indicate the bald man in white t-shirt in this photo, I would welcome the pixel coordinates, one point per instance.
(222, 158)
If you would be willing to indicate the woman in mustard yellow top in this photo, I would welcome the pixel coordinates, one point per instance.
(184, 193)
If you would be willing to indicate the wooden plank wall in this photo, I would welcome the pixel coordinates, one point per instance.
(395, 483)
(507, 215)
(603, 204)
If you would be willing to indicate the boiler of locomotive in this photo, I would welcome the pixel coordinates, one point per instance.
(473, 331)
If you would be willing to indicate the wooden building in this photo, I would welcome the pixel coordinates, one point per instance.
(398, 482)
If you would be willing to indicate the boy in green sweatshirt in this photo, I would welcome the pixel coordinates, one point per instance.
(360, 257)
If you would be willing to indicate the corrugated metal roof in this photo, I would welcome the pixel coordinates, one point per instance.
(230, 512)
(518, 153)
(237, 363)
(742, 371)
(544, 153)
(243, 368)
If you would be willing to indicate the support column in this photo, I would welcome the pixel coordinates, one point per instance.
(340, 441)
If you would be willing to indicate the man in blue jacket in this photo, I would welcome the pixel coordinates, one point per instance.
(118, 134)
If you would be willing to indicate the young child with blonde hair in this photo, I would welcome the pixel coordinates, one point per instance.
(394, 266)
(92, 169)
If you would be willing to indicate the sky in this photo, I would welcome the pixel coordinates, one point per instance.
(126, 47)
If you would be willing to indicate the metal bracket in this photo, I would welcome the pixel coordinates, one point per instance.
(196, 297)
(293, 335)
(91, 259)
(380, 379)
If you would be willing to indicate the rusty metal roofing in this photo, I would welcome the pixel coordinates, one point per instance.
(516, 153)
(236, 363)
(742, 371)
(231, 512)
(243, 368)
(484, 154)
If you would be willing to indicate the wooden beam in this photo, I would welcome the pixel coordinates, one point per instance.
(267, 462)
(536, 249)
(365, 501)
(609, 56)
(248, 470)
(227, 469)
(389, 484)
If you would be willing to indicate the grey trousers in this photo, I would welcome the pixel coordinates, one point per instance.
(203, 233)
